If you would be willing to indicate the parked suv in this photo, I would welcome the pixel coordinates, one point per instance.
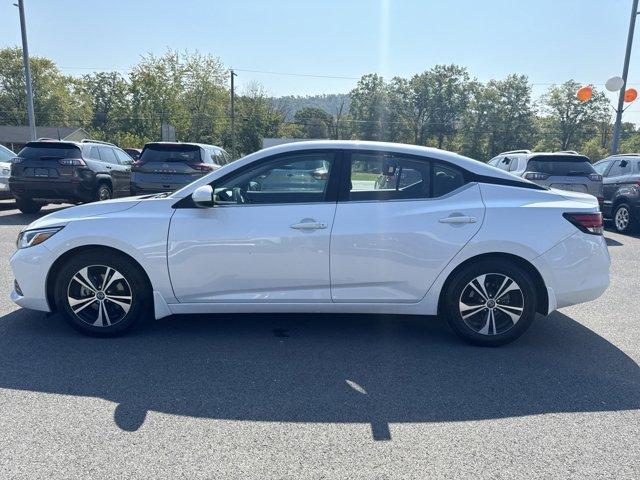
(621, 190)
(53, 171)
(566, 170)
(167, 166)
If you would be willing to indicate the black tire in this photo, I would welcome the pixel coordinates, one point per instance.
(103, 192)
(624, 220)
(486, 323)
(116, 319)
(26, 205)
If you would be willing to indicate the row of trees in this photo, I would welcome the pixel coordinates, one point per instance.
(443, 106)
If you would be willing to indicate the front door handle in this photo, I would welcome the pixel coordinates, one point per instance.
(309, 225)
(458, 219)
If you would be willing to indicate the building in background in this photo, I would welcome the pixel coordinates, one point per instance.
(15, 137)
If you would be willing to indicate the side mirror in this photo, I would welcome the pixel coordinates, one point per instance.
(203, 196)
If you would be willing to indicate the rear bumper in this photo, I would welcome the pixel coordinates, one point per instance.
(51, 190)
(576, 270)
(142, 188)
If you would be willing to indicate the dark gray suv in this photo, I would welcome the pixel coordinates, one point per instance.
(167, 166)
(621, 175)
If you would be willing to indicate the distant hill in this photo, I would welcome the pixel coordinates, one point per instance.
(330, 103)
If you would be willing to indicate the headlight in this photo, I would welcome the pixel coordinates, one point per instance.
(30, 238)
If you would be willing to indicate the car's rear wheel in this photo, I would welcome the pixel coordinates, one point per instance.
(103, 192)
(100, 293)
(491, 302)
(26, 205)
(623, 219)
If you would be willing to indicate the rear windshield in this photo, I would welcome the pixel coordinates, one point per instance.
(571, 165)
(49, 151)
(171, 153)
(6, 154)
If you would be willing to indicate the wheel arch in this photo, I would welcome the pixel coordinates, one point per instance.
(104, 178)
(57, 265)
(541, 289)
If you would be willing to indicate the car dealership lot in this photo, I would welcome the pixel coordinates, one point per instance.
(296, 396)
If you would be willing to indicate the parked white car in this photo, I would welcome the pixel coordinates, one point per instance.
(442, 235)
(5, 171)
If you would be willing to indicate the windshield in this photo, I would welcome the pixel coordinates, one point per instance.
(558, 166)
(49, 151)
(171, 153)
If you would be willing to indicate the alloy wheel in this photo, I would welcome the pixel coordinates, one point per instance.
(99, 295)
(622, 218)
(491, 304)
(104, 194)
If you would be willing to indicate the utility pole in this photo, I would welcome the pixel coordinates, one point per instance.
(27, 72)
(625, 70)
(233, 116)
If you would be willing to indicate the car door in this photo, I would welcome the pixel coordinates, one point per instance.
(113, 169)
(615, 179)
(399, 221)
(260, 242)
(124, 170)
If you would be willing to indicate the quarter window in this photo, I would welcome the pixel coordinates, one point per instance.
(446, 179)
(295, 178)
(601, 167)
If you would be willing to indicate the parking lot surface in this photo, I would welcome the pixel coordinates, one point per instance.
(319, 396)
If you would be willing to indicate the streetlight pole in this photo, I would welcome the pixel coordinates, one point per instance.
(625, 70)
(27, 72)
(233, 115)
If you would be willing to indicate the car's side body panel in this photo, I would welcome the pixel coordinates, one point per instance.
(392, 251)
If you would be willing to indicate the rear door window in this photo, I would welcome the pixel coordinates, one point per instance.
(619, 168)
(561, 166)
(107, 155)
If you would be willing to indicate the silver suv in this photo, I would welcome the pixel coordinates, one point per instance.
(561, 170)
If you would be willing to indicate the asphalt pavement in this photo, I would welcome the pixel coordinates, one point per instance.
(321, 396)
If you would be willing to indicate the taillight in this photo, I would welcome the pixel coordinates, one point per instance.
(136, 165)
(586, 222)
(535, 176)
(16, 160)
(72, 162)
(596, 177)
(203, 167)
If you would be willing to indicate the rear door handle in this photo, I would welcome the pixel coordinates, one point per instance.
(309, 226)
(458, 219)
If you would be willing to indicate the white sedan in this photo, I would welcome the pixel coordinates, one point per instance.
(329, 227)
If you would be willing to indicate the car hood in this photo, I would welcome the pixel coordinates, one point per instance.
(577, 196)
(96, 209)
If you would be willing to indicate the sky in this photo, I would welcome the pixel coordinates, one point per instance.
(550, 41)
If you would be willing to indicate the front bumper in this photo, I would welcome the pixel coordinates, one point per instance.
(575, 270)
(30, 267)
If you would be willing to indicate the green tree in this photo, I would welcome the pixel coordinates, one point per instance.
(314, 122)
(53, 93)
(257, 118)
(368, 108)
(108, 96)
(569, 121)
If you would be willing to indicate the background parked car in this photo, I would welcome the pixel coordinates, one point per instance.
(133, 152)
(621, 190)
(561, 170)
(54, 171)
(5, 170)
(167, 166)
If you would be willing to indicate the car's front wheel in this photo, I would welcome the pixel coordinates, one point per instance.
(491, 302)
(100, 293)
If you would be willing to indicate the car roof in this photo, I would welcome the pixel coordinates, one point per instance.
(195, 144)
(473, 166)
